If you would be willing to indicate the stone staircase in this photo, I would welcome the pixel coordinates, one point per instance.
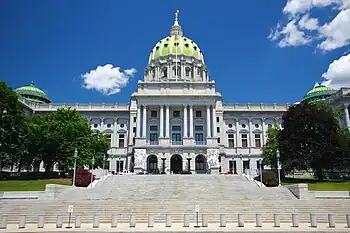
(175, 195)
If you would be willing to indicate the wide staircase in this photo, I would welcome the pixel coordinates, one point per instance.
(175, 195)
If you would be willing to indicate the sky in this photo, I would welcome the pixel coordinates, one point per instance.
(85, 51)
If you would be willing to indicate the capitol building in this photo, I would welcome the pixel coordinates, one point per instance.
(176, 120)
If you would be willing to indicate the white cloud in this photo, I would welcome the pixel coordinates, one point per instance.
(294, 7)
(338, 73)
(337, 32)
(107, 79)
(332, 35)
(291, 36)
(308, 23)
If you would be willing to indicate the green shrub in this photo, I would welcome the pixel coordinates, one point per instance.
(270, 179)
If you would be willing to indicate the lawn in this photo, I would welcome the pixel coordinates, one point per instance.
(30, 185)
(324, 186)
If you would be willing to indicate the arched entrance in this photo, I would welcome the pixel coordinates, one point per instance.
(152, 164)
(176, 164)
(201, 164)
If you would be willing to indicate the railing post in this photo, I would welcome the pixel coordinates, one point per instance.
(313, 220)
(114, 221)
(222, 220)
(240, 220)
(276, 220)
(150, 221)
(331, 221)
(22, 222)
(3, 224)
(295, 221)
(258, 220)
(186, 220)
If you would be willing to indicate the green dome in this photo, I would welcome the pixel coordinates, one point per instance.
(33, 94)
(176, 45)
(318, 93)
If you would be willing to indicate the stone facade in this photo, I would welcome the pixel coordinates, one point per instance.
(176, 120)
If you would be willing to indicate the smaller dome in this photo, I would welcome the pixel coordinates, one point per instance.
(33, 94)
(318, 93)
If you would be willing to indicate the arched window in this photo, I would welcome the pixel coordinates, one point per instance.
(165, 72)
(188, 70)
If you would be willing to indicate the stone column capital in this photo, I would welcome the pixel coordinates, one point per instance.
(185, 105)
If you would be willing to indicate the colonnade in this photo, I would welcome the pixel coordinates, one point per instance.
(188, 129)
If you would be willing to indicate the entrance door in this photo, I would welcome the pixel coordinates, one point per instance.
(201, 164)
(176, 164)
(120, 166)
(152, 164)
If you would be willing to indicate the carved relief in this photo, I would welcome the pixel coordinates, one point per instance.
(140, 158)
(213, 158)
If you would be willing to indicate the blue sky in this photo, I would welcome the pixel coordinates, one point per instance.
(257, 51)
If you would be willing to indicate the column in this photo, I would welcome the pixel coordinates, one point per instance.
(185, 121)
(161, 122)
(191, 121)
(167, 120)
(170, 72)
(130, 129)
(144, 121)
(138, 122)
(263, 127)
(347, 120)
(208, 122)
(250, 133)
(237, 132)
(214, 122)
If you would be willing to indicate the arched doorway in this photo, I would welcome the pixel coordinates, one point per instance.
(152, 164)
(201, 164)
(176, 164)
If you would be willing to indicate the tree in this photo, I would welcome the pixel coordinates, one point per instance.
(53, 138)
(270, 148)
(309, 138)
(11, 127)
(342, 162)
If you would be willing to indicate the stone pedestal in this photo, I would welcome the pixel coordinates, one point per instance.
(140, 142)
(214, 170)
(138, 169)
(212, 141)
(188, 142)
(164, 141)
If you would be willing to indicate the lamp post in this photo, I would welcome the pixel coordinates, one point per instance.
(103, 165)
(278, 167)
(261, 175)
(92, 168)
(75, 165)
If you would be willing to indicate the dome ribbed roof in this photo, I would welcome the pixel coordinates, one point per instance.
(33, 93)
(318, 93)
(176, 44)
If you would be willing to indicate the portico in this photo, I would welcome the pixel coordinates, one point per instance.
(176, 124)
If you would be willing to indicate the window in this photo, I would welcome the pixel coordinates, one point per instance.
(109, 125)
(153, 113)
(230, 125)
(121, 140)
(217, 119)
(153, 128)
(231, 141)
(198, 113)
(269, 125)
(176, 128)
(218, 140)
(257, 140)
(135, 118)
(243, 125)
(176, 137)
(256, 126)
(176, 113)
(165, 72)
(133, 141)
(218, 129)
(134, 129)
(121, 125)
(198, 128)
(95, 125)
(244, 140)
(199, 137)
(153, 137)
